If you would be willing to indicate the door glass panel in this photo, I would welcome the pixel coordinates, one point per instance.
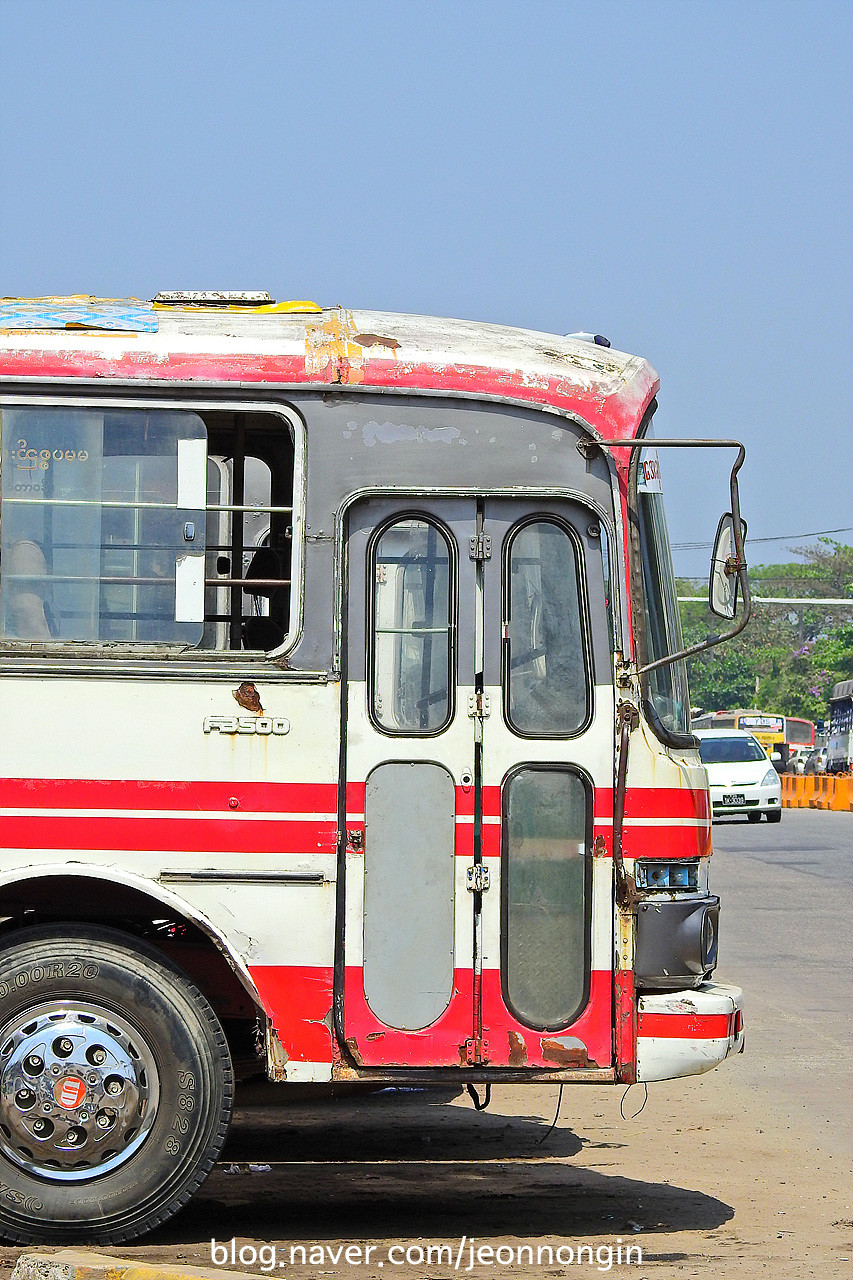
(546, 683)
(545, 886)
(412, 629)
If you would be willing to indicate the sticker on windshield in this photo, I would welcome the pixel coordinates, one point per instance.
(648, 474)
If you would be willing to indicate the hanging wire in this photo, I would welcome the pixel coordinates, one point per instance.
(556, 1118)
(642, 1104)
(487, 1097)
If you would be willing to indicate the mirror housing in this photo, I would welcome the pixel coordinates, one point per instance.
(725, 567)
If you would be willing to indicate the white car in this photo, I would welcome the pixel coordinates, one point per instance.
(740, 775)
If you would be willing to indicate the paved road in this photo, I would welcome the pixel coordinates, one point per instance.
(786, 937)
(745, 1171)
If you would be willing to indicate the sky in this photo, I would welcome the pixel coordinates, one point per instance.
(676, 176)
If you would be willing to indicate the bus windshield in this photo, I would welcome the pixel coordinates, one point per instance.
(666, 686)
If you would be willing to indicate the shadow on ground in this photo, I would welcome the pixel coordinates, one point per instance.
(403, 1166)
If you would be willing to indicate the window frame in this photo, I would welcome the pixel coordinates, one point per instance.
(538, 517)
(540, 766)
(148, 652)
(399, 517)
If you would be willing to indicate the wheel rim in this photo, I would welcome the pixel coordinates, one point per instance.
(79, 1090)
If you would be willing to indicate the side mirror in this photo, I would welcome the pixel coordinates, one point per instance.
(775, 755)
(723, 582)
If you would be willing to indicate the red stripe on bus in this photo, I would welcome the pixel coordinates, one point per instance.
(614, 416)
(179, 835)
(685, 1026)
(90, 793)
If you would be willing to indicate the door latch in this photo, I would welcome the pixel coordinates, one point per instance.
(479, 878)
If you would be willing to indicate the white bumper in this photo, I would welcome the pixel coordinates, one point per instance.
(687, 1032)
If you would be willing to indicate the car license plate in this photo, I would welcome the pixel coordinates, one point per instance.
(733, 797)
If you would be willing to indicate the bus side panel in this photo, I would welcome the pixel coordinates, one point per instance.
(241, 825)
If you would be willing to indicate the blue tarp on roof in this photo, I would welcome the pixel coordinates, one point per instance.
(87, 313)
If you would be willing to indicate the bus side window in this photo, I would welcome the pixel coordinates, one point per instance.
(107, 537)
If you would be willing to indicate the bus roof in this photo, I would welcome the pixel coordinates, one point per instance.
(300, 344)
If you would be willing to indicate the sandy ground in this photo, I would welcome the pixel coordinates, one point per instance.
(744, 1172)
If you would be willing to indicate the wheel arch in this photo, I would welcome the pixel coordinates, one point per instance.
(87, 894)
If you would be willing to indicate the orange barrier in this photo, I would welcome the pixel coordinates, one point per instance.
(817, 791)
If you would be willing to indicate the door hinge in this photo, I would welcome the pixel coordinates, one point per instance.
(479, 704)
(476, 1051)
(479, 878)
(480, 546)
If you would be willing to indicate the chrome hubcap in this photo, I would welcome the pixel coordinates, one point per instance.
(78, 1091)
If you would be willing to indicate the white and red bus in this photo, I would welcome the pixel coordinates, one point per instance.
(345, 732)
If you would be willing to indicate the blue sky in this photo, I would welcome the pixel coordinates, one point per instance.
(675, 175)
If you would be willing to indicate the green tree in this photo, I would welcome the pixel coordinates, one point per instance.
(788, 657)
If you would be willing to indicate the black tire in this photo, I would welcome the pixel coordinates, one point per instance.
(776, 816)
(753, 817)
(182, 1087)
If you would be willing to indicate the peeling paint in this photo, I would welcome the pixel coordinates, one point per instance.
(355, 1053)
(517, 1049)
(565, 1051)
(247, 696)
(395, 432)
(331, 347)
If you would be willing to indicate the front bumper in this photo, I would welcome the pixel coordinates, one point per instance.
(684, 1033)
(754, 800)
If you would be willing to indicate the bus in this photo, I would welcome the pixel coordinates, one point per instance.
(839, 750)
(799, 732)
(775, 733)
(346, 730)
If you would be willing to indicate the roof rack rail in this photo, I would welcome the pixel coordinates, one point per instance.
(213, 298)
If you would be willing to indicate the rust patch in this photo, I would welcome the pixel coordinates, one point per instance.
(374, 1035)
(563, 1055)
(517, 1049)
(599, 847)
(352, 1045)
(376, 340)
(247, 696)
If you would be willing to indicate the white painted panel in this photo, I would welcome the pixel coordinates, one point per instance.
(189, 588)
(192, 476)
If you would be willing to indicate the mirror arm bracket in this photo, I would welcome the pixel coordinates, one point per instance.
(743, 581)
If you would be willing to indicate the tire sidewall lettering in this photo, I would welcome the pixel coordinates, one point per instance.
(41, 973)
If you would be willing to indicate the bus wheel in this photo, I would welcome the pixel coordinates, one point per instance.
(115, 1086)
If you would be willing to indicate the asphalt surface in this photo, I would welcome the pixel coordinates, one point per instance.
(744, 1171)
(786, 937)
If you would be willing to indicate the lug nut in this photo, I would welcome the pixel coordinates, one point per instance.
(42, 1128)
(55, 1070)
(34, 1064)
(64, 1046)
(97, 1056)
(114, 1085)
(92, 1078)
(84, 1115)
(71, 1137)
(103, 1120)
(46, 1108)
(25, 1098)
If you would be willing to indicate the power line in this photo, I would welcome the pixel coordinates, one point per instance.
(784, 537)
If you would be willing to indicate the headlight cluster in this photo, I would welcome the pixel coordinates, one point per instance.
(769, 778)
(667, 876)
